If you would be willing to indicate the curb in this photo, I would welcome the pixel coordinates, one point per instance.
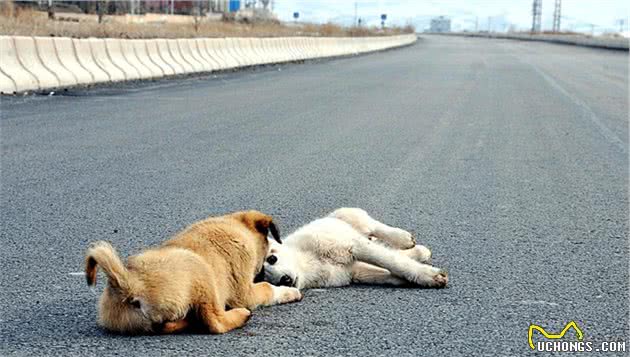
(620, 44)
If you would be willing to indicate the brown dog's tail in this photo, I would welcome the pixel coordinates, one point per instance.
(103, 254)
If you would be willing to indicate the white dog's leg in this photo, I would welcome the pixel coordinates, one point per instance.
(399, 264)
(419, 253)
(394, 237)
(364, 273)
(368, 226)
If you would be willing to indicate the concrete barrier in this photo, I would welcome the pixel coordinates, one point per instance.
(31, 63)
(288, 44)
(287, 47)
(246, 48)
(212, 48)
(313, 48)
(230, 48)
(176, 54)
(140, 47)
(129, 55)
(206, 66)
(11, 66)
(165, 53)
(7, 85)
(83, 50)
(209, 63)
(234, 44)
(154, 55)
(230, 56)
(68, 58)
(103, 60)
(30, 59)
(188, 56)
(115, 52)
(280, 45)
(269, 50)
(306, 48)
(48, 55)
(257, 50)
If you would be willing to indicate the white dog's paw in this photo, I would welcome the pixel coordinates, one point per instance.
(440, 279)
(284, 294)
(419, 253)
(401, 238)
(430, 277)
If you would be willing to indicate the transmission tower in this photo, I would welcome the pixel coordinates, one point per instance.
(536, 15)
(556, 16)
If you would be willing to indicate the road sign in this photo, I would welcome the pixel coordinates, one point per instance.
(383, 17)
(296, 15)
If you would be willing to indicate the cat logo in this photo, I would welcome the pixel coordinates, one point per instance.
(551, 336)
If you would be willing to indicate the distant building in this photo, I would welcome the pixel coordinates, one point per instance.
(440, 24)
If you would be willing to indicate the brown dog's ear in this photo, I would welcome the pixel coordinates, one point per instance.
(275, 232)
(261, 223)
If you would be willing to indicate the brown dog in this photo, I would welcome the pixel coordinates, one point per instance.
(191, 277)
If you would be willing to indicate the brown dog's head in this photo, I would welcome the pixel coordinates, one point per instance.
(262, 225)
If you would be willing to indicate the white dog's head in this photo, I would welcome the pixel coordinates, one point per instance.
(281, 266)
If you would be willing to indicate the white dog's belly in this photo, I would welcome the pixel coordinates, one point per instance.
(330, 239)
(329, 275)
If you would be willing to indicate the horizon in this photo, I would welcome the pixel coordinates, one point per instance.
(489, 15)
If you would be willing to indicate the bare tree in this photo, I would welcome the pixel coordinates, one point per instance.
(50, 9)
(198, 14)
(101, 5)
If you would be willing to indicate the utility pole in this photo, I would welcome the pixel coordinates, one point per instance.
(557, 15)
(536, 15)
(355, 13)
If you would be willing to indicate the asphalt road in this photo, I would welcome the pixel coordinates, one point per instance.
(509, 159)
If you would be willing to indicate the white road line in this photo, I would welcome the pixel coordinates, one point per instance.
(612, 137)
(603, 129)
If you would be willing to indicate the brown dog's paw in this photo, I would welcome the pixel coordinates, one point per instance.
(244, 314)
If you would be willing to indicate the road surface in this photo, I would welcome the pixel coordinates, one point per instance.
(509, 159)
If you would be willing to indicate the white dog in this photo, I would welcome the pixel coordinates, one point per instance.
(347, 247)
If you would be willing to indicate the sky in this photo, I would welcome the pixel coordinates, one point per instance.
(497, 15)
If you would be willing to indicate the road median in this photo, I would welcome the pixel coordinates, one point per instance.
(43, 64)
